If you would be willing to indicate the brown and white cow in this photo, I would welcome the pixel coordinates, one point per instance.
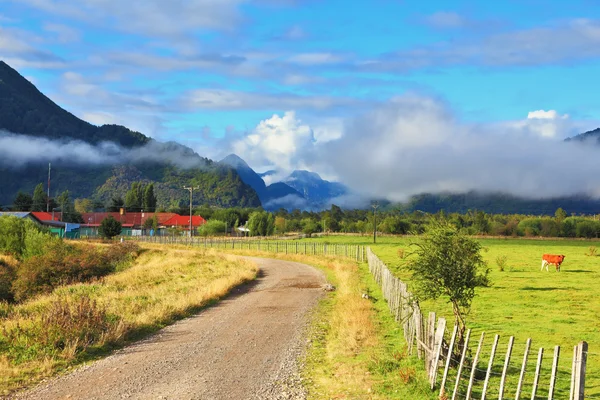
(552, 259)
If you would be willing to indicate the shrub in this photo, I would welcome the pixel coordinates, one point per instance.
(7, 277)
(592, 251)
(64, 264)
(501, 262)
(110, 228)
(212, 227)
(587, 229)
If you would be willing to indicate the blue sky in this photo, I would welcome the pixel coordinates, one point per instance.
(254, 76)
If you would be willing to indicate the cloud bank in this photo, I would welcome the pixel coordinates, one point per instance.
(414, 144)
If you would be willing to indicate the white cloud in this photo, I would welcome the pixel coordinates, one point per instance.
(563, 42)
(151, 17)
(548, 124)
(276, 142)
(222, 99)
(63, 33)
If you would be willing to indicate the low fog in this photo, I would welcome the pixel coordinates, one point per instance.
(414, 145)
(18, 150)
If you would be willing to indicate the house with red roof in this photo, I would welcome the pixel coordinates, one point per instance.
(133, 222)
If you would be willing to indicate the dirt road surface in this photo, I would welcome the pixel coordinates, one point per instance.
(245, 347)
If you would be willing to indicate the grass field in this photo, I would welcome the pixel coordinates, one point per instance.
(77, 323)
(549, 307)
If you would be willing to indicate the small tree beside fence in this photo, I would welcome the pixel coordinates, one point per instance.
(468, 375)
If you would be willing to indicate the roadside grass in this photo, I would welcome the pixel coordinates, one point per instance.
(552, 308)
(357, 350)
(78, 323)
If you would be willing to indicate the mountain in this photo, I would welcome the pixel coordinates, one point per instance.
(590, 136)
(24, 110)
(273, 194)
(315, 189)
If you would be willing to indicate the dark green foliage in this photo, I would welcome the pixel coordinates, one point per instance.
(67, 206)
(22, 202)
(109, 228)
(261, 223)
(449, 264)
(40, 199)
(7, 277)
(213, 227)
(588, 229)
(12, 235)
(151, 223)
(149, 202)
(116, 203)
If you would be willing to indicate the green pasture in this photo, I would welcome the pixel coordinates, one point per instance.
(552, 308)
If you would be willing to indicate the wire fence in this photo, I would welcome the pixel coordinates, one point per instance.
(355, 252)
(479, 369)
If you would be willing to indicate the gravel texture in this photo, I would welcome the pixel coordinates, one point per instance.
(245, 347)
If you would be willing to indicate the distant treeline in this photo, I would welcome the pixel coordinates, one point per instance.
(400, 222)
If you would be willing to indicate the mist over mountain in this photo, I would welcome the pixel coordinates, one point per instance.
(98, 162)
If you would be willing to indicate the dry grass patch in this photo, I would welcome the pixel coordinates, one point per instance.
(50, 333)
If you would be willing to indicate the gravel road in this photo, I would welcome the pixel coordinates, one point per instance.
(245, 347)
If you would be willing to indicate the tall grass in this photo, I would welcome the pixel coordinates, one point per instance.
(75, 323)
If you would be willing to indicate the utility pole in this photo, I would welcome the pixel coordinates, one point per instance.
(375, 205)
(191, 189)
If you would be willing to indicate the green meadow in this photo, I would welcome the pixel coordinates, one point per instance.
(552, 308)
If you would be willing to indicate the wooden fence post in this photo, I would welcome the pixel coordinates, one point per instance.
(448, 358)
(511, 341)
(536, 378)
(582, 351)
(524, 365)
(439, 339)
(553, 375)
(489, 368)
(474, 366)
(460, 366)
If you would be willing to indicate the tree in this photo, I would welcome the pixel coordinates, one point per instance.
(560, 215)
(149, 198)
(83, 205)
(448, 264)
(151, 223)
(40, 199)
(261, 223)
(22, 202)
(67, 208)
(110, 228)
(116, 203)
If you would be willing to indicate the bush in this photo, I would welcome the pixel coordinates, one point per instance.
(110, 228)
(501, 262)
(212, 227)
(592, 251)
(587, 229)
(530, 227)
(7, 277)
(63, 264)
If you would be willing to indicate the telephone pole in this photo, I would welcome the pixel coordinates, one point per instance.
(375, 205)
(191, 189)
(48, 199)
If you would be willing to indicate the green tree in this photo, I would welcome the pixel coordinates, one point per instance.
(149, 198)
(448, 264)
(40, 199)
(22, 202)
(261, 223)
(83, 206)
(560, 215)
(213, 227)
(116, 203)
(151, 223)
(69, 214)
(309, 226)
(134, 197)
(110, 227)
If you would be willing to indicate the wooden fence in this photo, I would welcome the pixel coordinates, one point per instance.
(470, 377)
(356, 252)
